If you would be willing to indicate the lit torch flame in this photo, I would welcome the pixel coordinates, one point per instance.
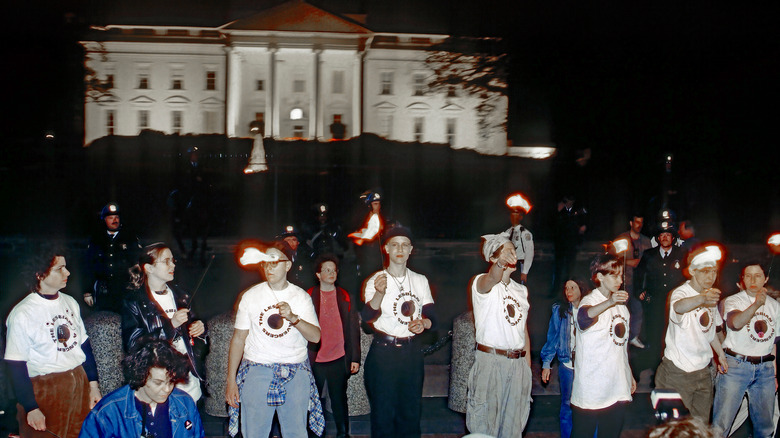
(620, 245)
(774, 243)
(517, 200)
(369, 232)
(253, 256)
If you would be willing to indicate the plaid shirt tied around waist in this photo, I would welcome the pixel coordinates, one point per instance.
(283, 373)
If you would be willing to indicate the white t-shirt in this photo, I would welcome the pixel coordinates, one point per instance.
(602, 376)
(501, 315)
(47, 334)
(399, 308)
(757, 337)
(689, 335)
(168, 305)
(271, 338)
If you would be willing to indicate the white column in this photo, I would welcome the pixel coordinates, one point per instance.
(315, 124)
(233, 104)
(269, 101)
(353, 129)
(276, 93)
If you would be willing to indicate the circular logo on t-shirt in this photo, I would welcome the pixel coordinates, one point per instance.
(406, 307)
(512, 311)
(272, 324)
(705, 320)
(761, 328)
(63, 331)
(618, 330)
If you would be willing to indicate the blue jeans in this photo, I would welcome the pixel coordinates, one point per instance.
(565, 381)
(759, 383)
(256, 415)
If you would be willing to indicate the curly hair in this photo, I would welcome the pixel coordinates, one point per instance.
(151, 353)
(689, 427)
(322, 258)
(148, 256)
(39, 265)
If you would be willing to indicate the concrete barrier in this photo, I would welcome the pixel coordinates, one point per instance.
(463, 341)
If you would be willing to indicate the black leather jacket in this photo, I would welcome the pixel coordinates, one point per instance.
(142, 316)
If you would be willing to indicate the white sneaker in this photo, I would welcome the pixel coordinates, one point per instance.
(637, 343)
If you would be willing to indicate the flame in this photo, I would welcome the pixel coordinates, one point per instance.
(253, 256)
(620, 245)
(774, 239)
(369, 232)
(518, 200)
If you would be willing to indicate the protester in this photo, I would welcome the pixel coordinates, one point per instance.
(150, 405)
(48, 353)
(691, 336)
(399, 306)
(560, 342)
(499, 388)
(337, 355)
(161, 310)
(751, 328)
(603, 383)
(268, 369)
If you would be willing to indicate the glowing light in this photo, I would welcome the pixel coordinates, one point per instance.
(253, 256)
(517, 200)
(323, 208)
(774, 243)
(296, 114)
(369, 232)
(620, 245)
(112, 208)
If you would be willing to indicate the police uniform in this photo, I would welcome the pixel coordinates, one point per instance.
(523, 241)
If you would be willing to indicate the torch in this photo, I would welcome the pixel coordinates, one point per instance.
(774, 246)
(621, 247)
(517, 200)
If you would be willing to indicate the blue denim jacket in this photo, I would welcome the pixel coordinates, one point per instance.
(116, 416)
(557, 338)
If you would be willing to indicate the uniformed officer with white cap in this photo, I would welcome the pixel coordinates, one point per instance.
(519, 235)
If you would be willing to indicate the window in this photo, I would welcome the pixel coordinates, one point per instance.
(338, 82)
(451, 131)
(419, 84)
(110, 119)
(143, 119)
(418, 129)
(452, 91)
(296, 114)
(260, 85)
(209, 122)
(386, 83)
(176, 119)
(109, 81)
(177, 82)
(299, 86)
(211, 80)
(143, 81)
(386, 125)
(298, 131)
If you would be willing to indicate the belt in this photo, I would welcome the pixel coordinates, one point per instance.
(384, 338)
(512, 354)
(755, 360)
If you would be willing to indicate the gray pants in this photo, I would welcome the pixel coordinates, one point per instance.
(695, 388)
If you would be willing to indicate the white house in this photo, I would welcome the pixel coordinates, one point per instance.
(292, 71)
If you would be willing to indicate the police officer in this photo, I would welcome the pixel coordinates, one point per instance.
(327, 236)
(110, 253)
(519, 235)
(300, 254)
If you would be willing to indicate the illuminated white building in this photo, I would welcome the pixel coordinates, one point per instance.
(288, 72)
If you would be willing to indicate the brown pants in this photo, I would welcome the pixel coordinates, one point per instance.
(64, 400)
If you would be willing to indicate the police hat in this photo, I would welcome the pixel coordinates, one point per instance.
(289, 230)
(110, 209)
(666, 227)
(370, 196)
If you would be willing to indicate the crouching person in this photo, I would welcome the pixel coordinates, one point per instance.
(150, 405)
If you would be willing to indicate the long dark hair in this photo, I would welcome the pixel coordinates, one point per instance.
(153, 353)
(584, 290)
(149, 256)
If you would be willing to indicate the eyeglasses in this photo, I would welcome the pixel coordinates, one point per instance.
(329, 271)
(275, 263)
(169, 261)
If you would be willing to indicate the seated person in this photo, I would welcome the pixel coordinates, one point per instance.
(160, 409)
